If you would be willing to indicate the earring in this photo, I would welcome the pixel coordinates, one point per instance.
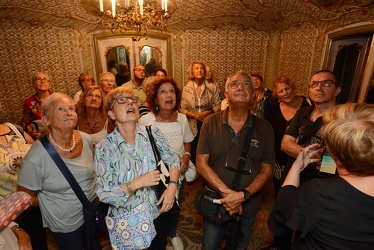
(156, 107)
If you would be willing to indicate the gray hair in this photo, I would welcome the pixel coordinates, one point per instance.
(52, 99)
(240, 72)
(39, 72)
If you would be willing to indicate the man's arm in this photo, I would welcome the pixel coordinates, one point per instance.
(290, 147)
(265, 174)
(207, 172)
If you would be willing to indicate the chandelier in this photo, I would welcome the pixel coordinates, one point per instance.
(135, 15)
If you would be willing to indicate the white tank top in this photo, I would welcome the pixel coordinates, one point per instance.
(101, 134)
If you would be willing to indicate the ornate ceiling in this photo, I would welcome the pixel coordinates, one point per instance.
(262, 15)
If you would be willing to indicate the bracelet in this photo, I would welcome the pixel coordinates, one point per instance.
(173, 182)
(16, 230)
(128, 186)
(187, 153)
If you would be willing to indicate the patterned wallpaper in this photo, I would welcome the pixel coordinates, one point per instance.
(226, 50)
(27, 48)
(64, 52)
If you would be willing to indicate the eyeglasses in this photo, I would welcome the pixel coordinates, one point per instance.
(125, 99)
(324, 83)
(140, 70)
(39, 79)
(245, 85)
(242, 161)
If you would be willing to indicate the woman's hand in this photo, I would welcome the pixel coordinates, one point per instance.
(167, 198)
(185, 160)
(310, 154)
(202, 115)
(24, 242)
(152, 178)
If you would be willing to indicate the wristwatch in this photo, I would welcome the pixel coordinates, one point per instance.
(247, 195)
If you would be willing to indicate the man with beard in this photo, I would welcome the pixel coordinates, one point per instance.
(136, 83)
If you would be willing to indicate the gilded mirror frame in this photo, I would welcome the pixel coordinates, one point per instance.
(102, 41)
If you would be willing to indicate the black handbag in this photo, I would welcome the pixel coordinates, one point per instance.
(212, 212)
(162, 185)
(93, 213)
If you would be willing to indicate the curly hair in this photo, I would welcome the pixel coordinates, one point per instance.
(152, 91)
(348, 133)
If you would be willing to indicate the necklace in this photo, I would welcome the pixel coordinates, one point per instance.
(61, 148)
(92, 125)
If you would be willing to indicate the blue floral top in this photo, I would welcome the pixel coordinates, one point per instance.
(118, 162)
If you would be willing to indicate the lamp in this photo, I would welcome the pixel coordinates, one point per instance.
(134, 15)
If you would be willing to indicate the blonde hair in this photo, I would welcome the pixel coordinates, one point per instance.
(190, 69)
(113, 94)
(349, 136)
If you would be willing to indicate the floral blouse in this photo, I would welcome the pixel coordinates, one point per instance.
(10, 162)
(117, 162)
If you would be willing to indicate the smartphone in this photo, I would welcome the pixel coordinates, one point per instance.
(328, 166)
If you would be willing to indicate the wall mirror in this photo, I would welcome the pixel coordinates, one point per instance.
(151, 58)
(116, 55)
(114, 49)
(350, 55)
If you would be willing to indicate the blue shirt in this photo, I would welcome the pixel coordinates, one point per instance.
(118, 162)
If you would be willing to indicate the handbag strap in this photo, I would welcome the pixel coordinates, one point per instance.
(243, 156)
(154, 147)
(16, 131)
(65, 171)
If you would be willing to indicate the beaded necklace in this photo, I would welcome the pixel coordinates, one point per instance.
(61, 148)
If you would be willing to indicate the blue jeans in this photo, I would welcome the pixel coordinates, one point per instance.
(213, 234)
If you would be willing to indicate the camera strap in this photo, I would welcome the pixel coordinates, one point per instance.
(243, 156)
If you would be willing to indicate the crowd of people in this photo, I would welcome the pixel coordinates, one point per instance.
(237, 147)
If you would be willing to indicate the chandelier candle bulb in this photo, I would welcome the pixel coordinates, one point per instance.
(101, 6)
(141, 7)
(136, 15)
(113, 8)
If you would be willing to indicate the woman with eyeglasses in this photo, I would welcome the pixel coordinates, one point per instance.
(32, 106)
(92, 118)
(126, 167)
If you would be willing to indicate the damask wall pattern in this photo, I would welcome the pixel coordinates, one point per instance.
(26, 48)
(296, 55)
(226, 49)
